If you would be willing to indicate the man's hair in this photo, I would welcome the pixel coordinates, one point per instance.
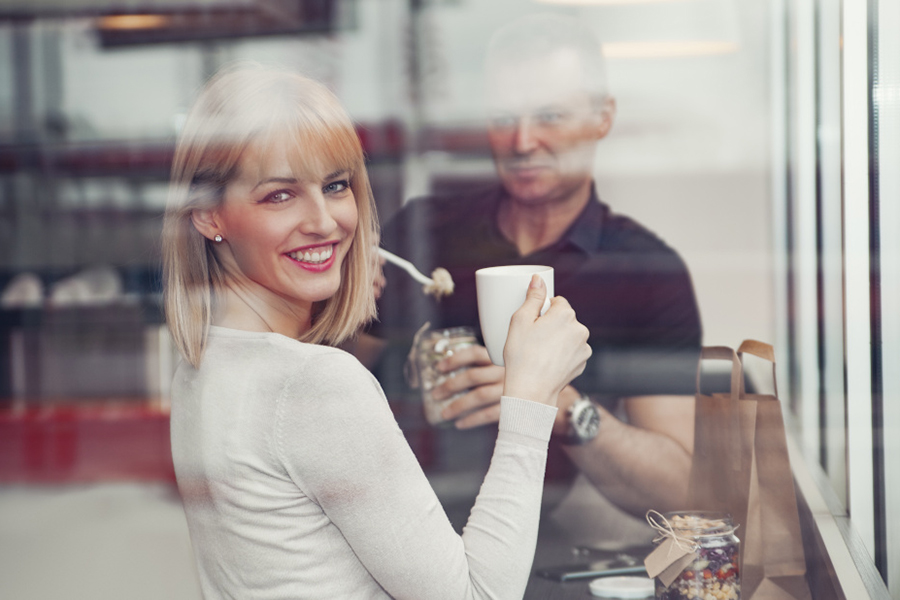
(539, 35)
(244, 106)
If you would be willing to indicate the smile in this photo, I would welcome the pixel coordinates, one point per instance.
(313, 256)
(316, 259)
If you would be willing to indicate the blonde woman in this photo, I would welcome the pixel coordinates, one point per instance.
(296, 480)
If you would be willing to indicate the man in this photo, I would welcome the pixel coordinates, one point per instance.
(548, 107)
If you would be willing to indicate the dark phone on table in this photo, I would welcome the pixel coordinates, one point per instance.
(600, 568)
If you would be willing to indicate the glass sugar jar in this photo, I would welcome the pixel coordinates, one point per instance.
(713, 574)
(428, 350)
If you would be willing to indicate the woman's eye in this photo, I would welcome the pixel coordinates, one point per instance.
(279, 196)
(336, 187)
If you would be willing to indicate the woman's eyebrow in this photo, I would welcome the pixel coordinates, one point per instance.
(288, 180)
(294, 180)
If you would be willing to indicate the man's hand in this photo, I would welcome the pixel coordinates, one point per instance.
(481, 382)
(546, 353)
(380, 281)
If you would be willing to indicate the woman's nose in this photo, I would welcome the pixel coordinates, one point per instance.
(317, 218)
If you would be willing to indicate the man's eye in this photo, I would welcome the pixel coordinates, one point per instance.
(549, 117)
(506, 122)
(336, 187)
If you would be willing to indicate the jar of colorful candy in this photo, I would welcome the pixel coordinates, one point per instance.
(714, 572)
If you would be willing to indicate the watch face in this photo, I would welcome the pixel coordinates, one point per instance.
(588, 420)
(585, 422)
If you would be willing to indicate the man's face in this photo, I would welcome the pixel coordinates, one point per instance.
(544, 127)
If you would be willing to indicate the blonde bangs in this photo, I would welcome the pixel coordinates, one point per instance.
(317, 143)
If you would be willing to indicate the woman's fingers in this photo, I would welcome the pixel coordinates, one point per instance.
(544, 354)
(534, 299)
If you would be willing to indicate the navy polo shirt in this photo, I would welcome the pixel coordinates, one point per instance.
(629, 288)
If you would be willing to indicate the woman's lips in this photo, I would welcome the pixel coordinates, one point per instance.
(315, 259)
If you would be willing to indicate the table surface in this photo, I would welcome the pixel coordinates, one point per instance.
(540, 588)
(552, 549)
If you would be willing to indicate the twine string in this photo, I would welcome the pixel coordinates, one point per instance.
(665, 530)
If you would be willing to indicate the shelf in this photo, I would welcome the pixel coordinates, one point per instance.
(152, 159)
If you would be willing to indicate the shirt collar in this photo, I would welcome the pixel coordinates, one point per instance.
(586, 232)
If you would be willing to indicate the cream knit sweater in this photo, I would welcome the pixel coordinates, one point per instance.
(298, 483)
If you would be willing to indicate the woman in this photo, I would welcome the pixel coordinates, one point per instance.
(296, 480)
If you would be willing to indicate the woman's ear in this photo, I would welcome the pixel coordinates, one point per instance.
(206, 223)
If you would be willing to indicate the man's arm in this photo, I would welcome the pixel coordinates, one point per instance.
(638, 465)
(644, 463)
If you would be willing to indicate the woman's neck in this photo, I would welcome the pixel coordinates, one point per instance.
(240, 306)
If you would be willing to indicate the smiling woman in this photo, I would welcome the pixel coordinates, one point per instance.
(295, 477)
(285, 241)
(261, 145)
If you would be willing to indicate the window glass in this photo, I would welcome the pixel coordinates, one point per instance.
(886, 101)
(737, 137)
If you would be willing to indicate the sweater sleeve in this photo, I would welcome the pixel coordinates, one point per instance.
(342, 446)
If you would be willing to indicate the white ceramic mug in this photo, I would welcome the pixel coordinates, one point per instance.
(501, 291)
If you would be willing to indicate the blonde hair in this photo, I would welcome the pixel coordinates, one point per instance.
(241, 106)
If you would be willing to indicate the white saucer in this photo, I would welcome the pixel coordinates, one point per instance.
(622, 587)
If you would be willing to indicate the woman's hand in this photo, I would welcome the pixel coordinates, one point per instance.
(543, 353)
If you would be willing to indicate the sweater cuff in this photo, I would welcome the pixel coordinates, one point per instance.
(528, 418)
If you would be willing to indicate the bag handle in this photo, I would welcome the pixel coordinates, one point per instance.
(724, 353)
(761, 350)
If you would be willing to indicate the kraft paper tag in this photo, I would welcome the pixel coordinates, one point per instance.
(668, 560)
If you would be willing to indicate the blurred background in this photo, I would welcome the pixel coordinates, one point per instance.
(749, 136)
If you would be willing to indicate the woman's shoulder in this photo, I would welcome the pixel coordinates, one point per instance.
(236, 347)
(294, 373)
(276, 348)
(324, 376)
(319, 358)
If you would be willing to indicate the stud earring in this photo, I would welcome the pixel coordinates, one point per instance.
(218, 239)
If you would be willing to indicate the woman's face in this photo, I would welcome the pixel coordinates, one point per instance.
(288, 233)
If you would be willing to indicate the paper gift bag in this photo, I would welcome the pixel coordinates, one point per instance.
(741, 466)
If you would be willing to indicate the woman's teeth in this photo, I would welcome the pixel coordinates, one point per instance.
(314, 257)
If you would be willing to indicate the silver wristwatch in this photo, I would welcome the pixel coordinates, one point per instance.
(584, 422)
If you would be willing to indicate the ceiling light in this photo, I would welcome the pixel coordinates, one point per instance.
(668, 49)
(132, 22)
